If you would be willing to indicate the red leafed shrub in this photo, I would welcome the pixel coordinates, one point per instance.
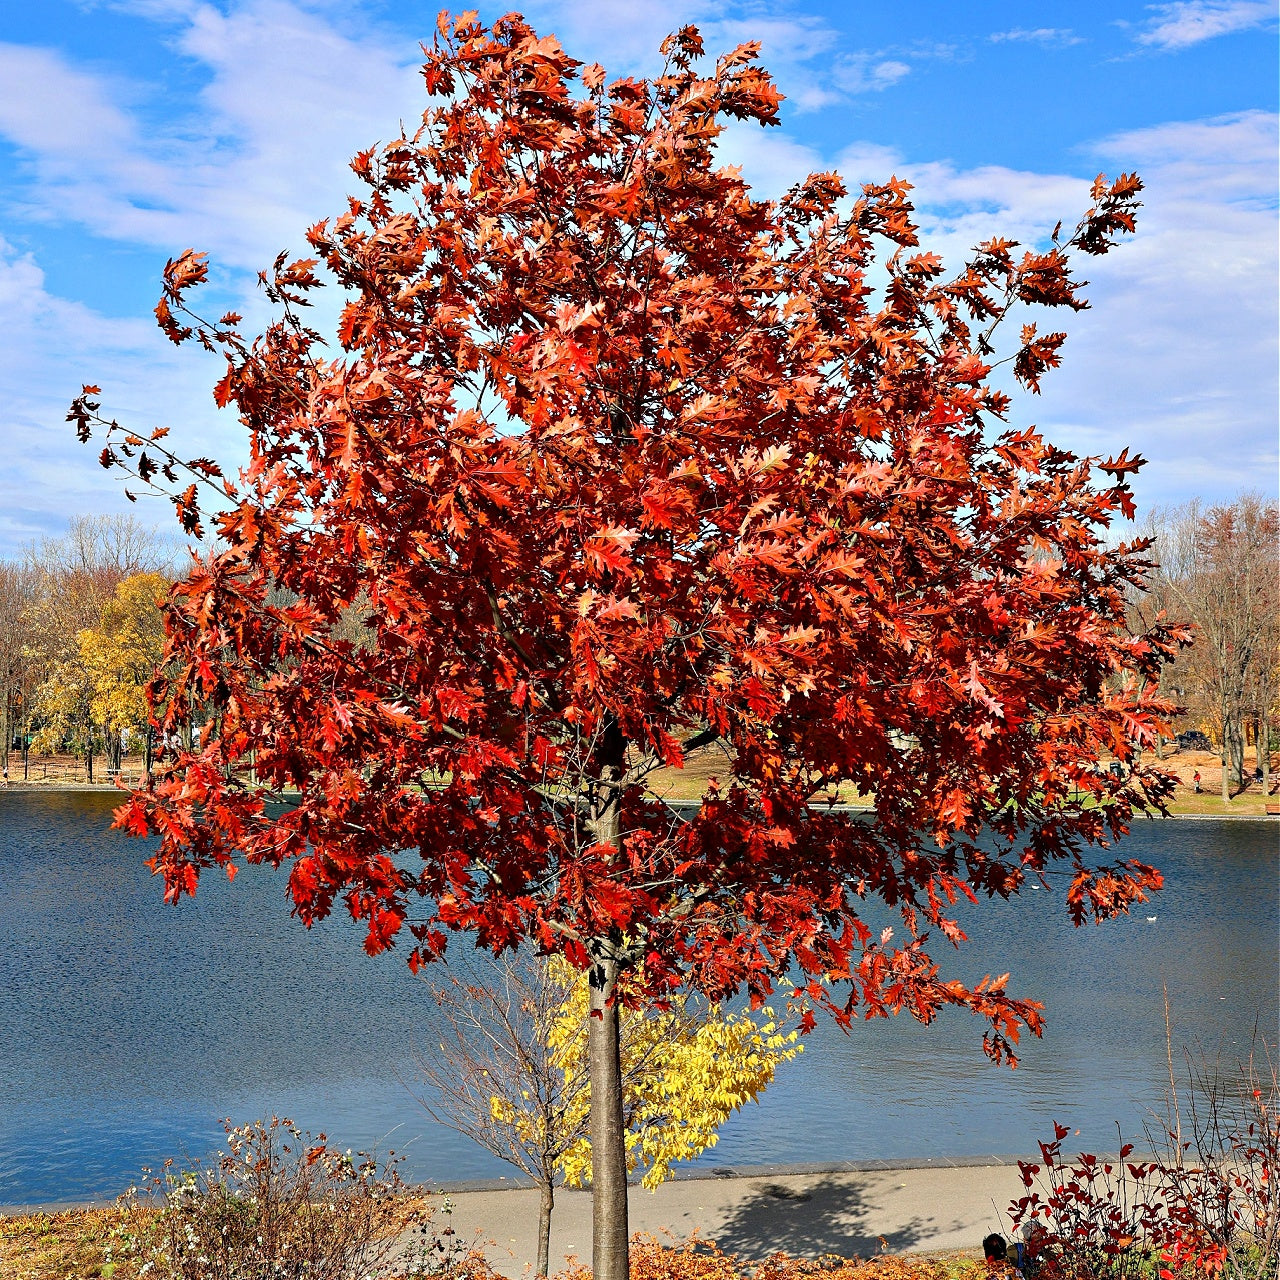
(1095, 1218)
(1222, 1163)
(1206, 1204)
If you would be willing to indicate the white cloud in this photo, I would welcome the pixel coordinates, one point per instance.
(868, 72)
(789, 48)
(1177, 356)
(797, 49)
(863, 162)
(788, 41)
(1037, 35)
(1181, 351)
(241, 170)
(621, 35)
(1234, 152)
(1187, 22)
(52, 346)
(256, 157)
(50, 107)
(156, 10)
(770, 160)
(289, 97)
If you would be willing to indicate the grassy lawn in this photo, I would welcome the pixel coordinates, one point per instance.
(76, 1243)
(690, 783)
(1187, 804)
(1209, 803)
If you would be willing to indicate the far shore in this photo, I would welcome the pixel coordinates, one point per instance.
(1249, 805)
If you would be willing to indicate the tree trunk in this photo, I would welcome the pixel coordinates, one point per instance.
(609, 1227)
(545, 1204)
(1226, 756)
(147, 748)
(609, 1258)
(1264, 752)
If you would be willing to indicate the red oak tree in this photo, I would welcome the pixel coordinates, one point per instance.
(612, 461)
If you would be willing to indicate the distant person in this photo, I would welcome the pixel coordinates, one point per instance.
(995, 1249)
(1030, 1247)
(1196, 780)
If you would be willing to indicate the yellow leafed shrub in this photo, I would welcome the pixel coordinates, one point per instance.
(684, 1072)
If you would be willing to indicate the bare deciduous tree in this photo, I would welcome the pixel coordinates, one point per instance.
(1219, 570)
(17, 592)
(497, 1077)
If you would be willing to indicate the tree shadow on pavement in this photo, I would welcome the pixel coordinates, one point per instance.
(831, 1216)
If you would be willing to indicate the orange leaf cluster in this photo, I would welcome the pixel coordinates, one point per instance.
(702, 1260)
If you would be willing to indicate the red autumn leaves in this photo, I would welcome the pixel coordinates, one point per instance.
(611, 461)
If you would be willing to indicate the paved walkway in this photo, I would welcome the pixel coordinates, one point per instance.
(941, 1205)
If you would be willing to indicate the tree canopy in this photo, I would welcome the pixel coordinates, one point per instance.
(617, 460)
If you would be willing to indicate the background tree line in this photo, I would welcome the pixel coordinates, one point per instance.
(81, 635)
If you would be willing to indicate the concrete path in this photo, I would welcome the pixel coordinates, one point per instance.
(756, 1213)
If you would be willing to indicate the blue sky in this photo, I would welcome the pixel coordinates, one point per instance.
(131, 129)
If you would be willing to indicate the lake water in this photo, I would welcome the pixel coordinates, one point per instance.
(130, 1028)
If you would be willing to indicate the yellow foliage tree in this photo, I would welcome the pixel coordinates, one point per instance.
(120, 655)
(684, 1073)
(512, 1073)
(64, 709)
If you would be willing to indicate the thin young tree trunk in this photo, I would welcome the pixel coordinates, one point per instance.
(1264, 752)
(546, 1203)
(609, 1258)
(609, 1227)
